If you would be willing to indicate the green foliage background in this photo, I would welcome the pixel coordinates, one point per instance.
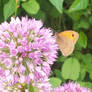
(61, 15)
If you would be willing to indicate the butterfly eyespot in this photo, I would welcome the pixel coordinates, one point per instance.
(72, 35)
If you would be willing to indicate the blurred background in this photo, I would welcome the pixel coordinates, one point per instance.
(60, 15)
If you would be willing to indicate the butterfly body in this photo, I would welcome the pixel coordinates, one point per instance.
(66, 41)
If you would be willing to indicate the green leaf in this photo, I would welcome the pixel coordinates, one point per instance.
(9, 8)
(55, 82)
(71, 69)
(45, 5)
(82, 40)
(54, 12)
(74, 15)
(58, 4)
(31, 6)
(83, 24)
(86, 84)
(82, 72)
(90, 20)
(1, 11)
(61, 58)
(79, 5)
(78, 55)
(88, 67)
(57, 73)
(87, 58)
(89, 42)
(23, 0)
(40, 15)
(90, 75)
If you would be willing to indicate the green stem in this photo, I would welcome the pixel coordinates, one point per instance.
(59, 23)
(64, 26)
(16, 9)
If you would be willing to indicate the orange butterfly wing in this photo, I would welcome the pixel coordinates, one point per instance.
(66, 41)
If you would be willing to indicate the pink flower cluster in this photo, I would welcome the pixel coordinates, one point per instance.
(71, 87)
(27, 50)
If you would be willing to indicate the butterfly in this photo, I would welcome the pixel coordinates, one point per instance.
(66, 41)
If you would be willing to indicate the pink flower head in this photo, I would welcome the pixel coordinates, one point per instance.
(71, 87)
(27, 50)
